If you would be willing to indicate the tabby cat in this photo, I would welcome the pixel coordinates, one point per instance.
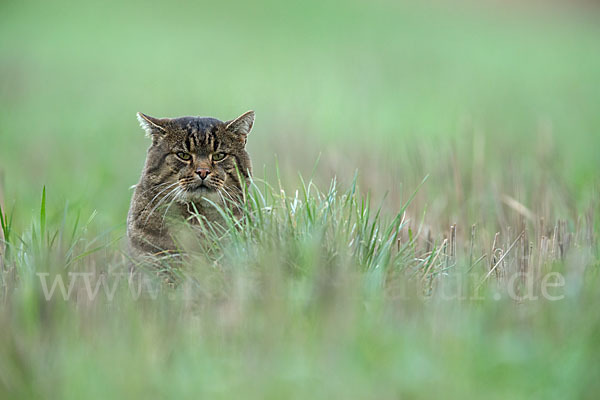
(191, 159)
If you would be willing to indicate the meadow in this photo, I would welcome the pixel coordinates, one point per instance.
(423, 219)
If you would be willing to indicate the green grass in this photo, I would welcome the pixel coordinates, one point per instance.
(309, 295)
(337, 283)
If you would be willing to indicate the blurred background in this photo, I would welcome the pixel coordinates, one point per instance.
(497, 102)
(487, 98)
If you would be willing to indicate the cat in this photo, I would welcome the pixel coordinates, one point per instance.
(191, 160)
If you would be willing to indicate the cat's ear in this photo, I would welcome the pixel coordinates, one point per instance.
(152, 125)
(242, 125)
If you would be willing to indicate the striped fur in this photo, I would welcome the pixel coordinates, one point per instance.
(171, 185)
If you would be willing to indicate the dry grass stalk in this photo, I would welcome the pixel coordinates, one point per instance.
(432, 263)
(493, 252)
(453, 243)
(471, 247)
(428, 241)
(502, 258)
(518, 207)
(1, 231)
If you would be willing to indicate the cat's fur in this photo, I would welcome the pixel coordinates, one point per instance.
(172, 187)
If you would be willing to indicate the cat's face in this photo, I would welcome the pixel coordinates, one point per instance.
(194, 157)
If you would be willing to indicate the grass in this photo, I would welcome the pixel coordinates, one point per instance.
(313, 294)
(350, 275)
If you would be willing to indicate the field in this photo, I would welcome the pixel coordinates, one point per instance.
(423, 220)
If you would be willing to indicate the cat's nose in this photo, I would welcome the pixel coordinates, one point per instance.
(202, 172)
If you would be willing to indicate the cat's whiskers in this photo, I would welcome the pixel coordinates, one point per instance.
(153, 188)
(223, 191)
(158, 194)
(178, 193)
(159, 203)
(223, 199)
(233, 192)
(231, 201)
(186, 181)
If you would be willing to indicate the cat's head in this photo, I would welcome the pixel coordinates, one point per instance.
(196, 157)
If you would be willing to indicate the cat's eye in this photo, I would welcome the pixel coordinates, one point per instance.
(183, 156)
(218, 156)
